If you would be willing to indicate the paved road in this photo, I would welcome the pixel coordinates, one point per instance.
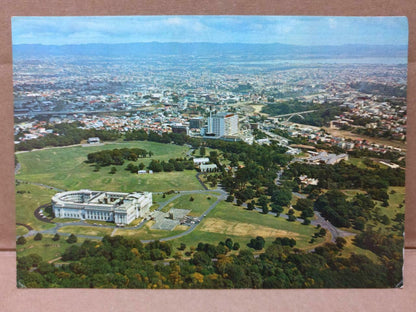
(335, 232)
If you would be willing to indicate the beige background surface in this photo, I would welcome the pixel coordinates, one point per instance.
(12, 299)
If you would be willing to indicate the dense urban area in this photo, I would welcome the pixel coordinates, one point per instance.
(261, 172)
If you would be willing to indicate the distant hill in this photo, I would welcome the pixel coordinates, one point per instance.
(209, 50)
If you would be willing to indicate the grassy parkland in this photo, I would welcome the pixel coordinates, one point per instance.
(65, 168)
(47, 248)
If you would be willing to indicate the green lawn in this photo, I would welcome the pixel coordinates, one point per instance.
(28, 198)
(351, 193)
(350, 248)
(65, 168)
(357, 162)
(21, 230)
(146, 233)
(198, 206)
(228, 220)
(393, 208)
(46, 248)
(85, 230)
(158, 198)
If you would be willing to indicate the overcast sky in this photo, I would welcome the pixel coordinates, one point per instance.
(245, 29)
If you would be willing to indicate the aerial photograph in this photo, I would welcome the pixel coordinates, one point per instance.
(179, 152)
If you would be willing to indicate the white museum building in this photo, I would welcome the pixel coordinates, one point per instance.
(120, 208)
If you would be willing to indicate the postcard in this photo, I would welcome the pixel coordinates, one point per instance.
(179, 152)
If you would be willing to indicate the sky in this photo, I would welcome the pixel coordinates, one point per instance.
(297, 30)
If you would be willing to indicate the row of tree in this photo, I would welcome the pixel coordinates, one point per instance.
(172, 164)
(117, 156)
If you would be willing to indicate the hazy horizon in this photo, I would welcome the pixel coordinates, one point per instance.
(289, 30)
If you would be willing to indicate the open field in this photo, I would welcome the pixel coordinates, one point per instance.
(46, 248)
(197, 206)
(146, 233)
(158, 198)
(85, 230)
(28, 198)
(215, 225)
(350, 248)
(65, 168)
(352, 192)
(228, 220)
(257, 108)
(358, 162)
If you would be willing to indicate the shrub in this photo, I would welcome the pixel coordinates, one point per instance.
(72, 239)
(21, 240)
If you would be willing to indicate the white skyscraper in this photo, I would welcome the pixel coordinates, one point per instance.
(223, 124)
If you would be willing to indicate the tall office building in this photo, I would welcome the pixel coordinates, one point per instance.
(223, 124)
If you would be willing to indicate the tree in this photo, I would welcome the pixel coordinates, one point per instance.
(282, 197)
(38, 237)
(202, 151)
(385, 220)
(56, 237)
(303, 204)
(291, 218)
(21, 240)
(340, 242)
(306, 221)
(250, 205)
(277, 209)
(113, 170)
(322, 232)
(257, 243)
(72, 239)
(229, 243)
(230, 198)
(155, 166)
